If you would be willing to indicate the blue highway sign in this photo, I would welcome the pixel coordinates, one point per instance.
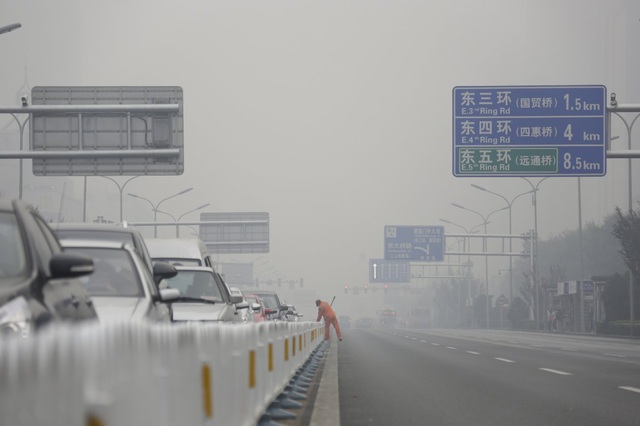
(414, 243)
(529, 131)
(389, 271)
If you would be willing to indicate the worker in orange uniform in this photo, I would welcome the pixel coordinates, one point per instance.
(324, 310)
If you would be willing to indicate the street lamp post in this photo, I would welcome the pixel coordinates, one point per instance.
(3, 30)
(509, 204)
(121, 189)
(485, 220)
(157, 206)
(464, 249)
(181, 216)
(535, 278)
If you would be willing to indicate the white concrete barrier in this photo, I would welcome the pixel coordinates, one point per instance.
(127, 373)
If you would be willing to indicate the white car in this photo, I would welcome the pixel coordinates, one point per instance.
(121, 286)
(203, 296)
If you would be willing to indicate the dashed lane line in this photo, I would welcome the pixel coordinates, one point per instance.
(562, 373)
(504, 360)
(473, 353)
(616, 355)
(629, 388)
(450, 347)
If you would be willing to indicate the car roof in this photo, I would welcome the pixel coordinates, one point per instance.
(92, 227)
(95, 244)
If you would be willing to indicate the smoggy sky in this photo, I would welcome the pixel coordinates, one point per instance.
(333, 116)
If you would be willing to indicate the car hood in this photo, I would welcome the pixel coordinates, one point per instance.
(120, 308)
(198, 311)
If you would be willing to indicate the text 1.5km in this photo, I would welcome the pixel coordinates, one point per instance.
(578, 104)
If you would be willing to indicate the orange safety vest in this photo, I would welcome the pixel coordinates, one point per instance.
(324, 310)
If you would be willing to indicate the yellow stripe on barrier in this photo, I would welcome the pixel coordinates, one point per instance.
(93, 420)
(206, 391)
(270, 356)
(300, 343)
(293, 345)
(252, 369)
(286, 349)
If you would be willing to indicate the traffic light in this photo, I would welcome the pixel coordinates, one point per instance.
(346, 288)
(386, 288)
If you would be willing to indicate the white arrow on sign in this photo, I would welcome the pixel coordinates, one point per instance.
(375, 267)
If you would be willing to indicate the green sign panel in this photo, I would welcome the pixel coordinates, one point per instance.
(517, 161)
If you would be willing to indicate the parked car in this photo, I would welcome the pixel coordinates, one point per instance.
(204, 296)
(292, 314)
(272, 301)
(105, 232)
(180, 251)
(39, 283)
(245, 313)
(117, 233)
(260, 312)
(121, 286)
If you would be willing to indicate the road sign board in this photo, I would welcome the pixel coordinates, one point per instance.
(417, 243)
(389, 271)
(119, 120)
(529, 131)
(235, 232)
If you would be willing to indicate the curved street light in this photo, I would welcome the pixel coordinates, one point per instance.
(181, 216)
(535, 278)
(509, 204)
(157, 206)
(468, 264)
(9, 28)
(485, 220)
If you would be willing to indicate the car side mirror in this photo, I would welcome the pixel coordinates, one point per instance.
(68, 265)
(255, 307)
(242, 305)
(162, 270)
(169, 294)
(238, 299)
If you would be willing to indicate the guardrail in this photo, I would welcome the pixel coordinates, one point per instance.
(128, 373)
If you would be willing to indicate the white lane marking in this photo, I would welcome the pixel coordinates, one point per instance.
(617, 356)
(414, 338)
(436, 344)
(562, 373)
(406, 336)
(423, 341)
(503, 360)
(450, 347)
(629, 388)
(473, 353)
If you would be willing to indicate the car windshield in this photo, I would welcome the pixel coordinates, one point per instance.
(200, 284)
(12, 254)
(179, 261)
(270, 301)
(114, 272)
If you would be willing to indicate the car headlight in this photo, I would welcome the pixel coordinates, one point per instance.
(15, 318)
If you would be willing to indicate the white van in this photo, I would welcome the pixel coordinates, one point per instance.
(180, 251)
